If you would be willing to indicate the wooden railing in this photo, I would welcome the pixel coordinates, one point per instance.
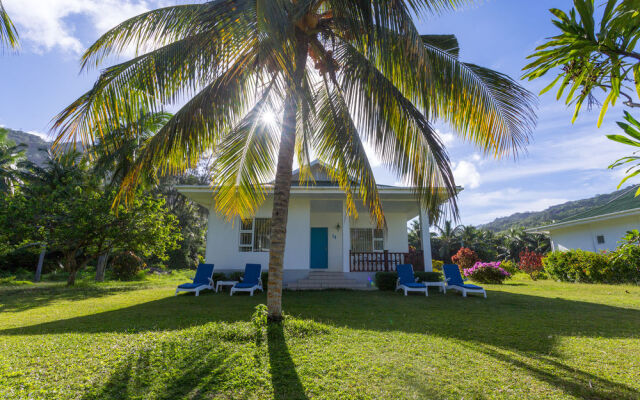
(384, 261)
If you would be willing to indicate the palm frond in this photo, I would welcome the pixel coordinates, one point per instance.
(8, 32)
(337, 143)
(246, 159)
(162, 26)
(399, 132)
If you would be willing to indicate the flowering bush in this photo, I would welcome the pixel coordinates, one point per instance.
(490, 272)
(465, 258)
(531, 263)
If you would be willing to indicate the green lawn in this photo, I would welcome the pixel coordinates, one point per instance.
(136, 340)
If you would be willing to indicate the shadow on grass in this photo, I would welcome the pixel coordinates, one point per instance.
(22, 298)
(570, 380)
(284, 378)
(194, 373)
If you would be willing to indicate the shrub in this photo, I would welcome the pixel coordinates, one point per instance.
(465, 258)
(235, 275)
(487, 272)
(126, 265)
(437, 265)
(578, 266)
(531, 263)
(218, 276)
(625, 261)
(386, 280)
(434, 276)
(509, 266)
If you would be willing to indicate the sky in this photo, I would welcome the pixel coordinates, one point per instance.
(562, 162)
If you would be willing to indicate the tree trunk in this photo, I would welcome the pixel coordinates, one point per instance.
(101, 266)
(70, 264)
(282, 186)
(40, 262)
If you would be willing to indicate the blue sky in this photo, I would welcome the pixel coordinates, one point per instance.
(563, 161)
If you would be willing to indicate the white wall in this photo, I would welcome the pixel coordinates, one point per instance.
(584, 236)
(396, 238)
(223, 239)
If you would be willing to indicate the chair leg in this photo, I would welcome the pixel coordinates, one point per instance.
(176, 293)
(485, 294)
(426, 292)
(464, 293)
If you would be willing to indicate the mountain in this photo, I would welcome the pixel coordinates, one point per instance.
(36, 150)
(551, 214)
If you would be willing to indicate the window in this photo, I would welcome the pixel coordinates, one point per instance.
(600, 239)
(255, 235)
(367, 240)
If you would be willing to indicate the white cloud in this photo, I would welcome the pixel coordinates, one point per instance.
(447, 138)
(47, 24)
(41, 134)
(466, 174)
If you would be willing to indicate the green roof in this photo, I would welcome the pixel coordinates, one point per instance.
(626, 201)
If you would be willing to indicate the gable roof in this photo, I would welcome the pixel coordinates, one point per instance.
(625, 203)
(321, 177)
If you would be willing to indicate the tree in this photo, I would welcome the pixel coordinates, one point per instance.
(8, 33)
(414, 235)
(12, 162)
(67, 208)
(449, 239)
(239, 60)
(593, 61)
(590, 60)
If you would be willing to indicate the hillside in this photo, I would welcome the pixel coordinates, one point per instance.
(553, 213)
(36, 150)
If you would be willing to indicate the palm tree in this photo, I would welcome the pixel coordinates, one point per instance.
(337, 72)
(449, 236)
(12, 163)
(8, 33)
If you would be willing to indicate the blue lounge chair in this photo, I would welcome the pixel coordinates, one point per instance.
(454, 281)
(201, 281)
(251, 280)
(407, 281)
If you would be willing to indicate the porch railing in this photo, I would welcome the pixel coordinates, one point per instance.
(375, 261)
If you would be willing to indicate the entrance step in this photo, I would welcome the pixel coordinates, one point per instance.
(318, 280)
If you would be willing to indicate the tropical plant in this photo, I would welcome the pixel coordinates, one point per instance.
(12, 163)
(489, 272)
(8, 32)
(632, 130)
(592, 55)
(126, 265)
(239, 61)
(626, 259)
(531, 263)
(449, 239)
(465, 258)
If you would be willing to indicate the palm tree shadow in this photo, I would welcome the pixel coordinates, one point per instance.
(284, 378)
(570, 380)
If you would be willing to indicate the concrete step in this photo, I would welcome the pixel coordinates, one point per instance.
(318, 280)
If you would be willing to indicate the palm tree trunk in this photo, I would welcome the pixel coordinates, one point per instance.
(282, 186)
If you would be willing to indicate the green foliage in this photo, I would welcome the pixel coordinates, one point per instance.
(126, 265)
(8, 33)
(426, 276)
(218, 276)
(578, 266)
(593, 56)
(509, 266)
(625, 261)
(632, 130)
(236, 276)
(437, 265)
(465, 258)
(386, 280)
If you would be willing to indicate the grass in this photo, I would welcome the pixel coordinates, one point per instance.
(136, 340)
